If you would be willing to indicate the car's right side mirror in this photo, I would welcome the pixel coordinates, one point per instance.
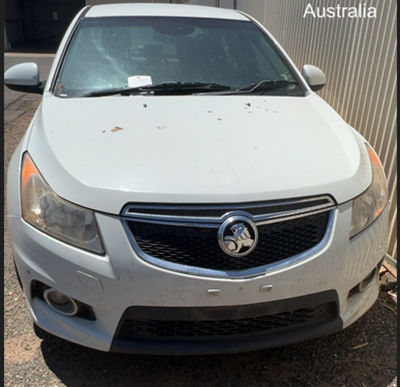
(314, 76)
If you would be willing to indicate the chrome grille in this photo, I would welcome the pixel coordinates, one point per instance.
(217, 211)
(184, 238)
(199, 246)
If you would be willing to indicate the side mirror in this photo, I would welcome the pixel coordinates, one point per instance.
(314, 76)
(24, 77)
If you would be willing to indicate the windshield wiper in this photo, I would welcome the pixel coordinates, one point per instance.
(162, 88)
(267, 84)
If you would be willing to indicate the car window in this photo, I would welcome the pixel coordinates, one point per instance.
(106, 52)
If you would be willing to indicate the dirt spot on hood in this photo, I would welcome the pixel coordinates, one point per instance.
(21, 349)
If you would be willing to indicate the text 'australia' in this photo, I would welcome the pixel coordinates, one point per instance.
(361, 11)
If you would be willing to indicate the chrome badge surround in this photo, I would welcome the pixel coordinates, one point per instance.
(238, 236)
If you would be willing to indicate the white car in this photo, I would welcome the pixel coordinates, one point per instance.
(182, 189)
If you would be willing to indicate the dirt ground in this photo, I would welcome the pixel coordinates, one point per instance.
(363, 355)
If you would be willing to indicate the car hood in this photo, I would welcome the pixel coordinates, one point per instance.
(102, 153)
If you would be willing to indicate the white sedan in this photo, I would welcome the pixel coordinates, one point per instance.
(182, 189)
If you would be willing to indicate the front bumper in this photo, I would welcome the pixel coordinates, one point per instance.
(121, 286)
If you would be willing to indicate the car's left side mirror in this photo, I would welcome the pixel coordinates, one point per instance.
(314, 76)
(24, 77)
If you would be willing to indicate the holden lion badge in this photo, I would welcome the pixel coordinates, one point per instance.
(238, 236)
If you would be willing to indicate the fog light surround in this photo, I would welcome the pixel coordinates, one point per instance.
(366, 282)
(60, 302)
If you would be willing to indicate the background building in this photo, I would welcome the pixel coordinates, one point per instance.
(38, 21)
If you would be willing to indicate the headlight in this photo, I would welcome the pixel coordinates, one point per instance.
(43, 209)
(370, 204)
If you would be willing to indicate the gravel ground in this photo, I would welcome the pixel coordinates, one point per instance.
(363, 355)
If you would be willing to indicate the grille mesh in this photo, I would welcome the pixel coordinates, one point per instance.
(199, 247)
(158, 329)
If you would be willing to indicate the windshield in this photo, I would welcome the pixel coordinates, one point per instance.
(129, 52)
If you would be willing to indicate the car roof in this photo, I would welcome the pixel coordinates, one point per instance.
(169, 10)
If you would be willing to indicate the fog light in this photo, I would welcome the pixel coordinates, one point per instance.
(60, 303)
(367, 280)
